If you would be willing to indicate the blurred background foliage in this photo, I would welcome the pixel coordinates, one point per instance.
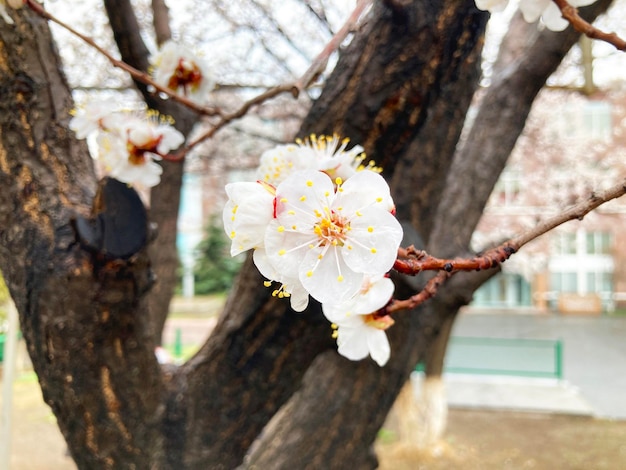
(215, 269)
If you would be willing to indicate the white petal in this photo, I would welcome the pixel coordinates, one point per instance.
(366, 188)
(372, 244)
(304, 192)
(171, 139)
(352, 343)
(377, 294)
(553, 18)
(299, 297)
(328, 278)
(533, 9)
(246, 215)
(491, 5)
(378, 346)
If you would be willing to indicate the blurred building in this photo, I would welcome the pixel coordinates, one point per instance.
(572, 144)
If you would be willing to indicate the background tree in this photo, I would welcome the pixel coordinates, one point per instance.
(215, 268)
(267, 385)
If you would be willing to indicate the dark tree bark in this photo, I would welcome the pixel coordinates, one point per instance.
(268, 381)
(82, 315)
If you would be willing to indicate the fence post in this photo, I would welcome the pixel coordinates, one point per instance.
(558, 359)
(8, 374)
(178, 343)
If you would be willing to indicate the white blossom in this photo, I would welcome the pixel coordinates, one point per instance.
(93, 116)
(130, 146)
(178, 69)
(329, 237)
(359, 330)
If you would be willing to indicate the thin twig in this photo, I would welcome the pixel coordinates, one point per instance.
(429, 291)
(571, 14)
(315, 69)
(133, 72)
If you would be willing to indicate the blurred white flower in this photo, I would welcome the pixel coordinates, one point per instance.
(324, 153)
(93, 116)
(129, 147)
(178, 69)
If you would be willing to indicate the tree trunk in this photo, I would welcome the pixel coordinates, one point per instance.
(82, 315)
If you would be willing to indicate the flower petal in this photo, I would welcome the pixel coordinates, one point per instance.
(352, 343)
(246, 215)
(378, 346)
(328, 278)
(373, 296)
(372, 244)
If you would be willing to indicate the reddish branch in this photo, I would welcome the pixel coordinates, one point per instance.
(571, 14)
(429, 291)
(411, 261)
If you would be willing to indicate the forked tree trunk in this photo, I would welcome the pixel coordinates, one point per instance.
(401, 89)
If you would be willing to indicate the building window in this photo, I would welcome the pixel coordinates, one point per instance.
(503, 290)
(507, 190)
(581, 263)
(590, 120)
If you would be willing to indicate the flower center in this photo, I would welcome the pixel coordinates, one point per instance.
(380, 322)
(186, 75)
(137, 153)
(331, 229)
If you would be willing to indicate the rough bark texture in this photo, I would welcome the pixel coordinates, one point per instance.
(401, 89)
(81, 314)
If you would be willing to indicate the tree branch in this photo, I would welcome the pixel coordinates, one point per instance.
(571, 14)
(411, 261)
(161, 21)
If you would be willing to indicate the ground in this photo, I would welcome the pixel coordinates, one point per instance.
(489, 440)
(475, 440)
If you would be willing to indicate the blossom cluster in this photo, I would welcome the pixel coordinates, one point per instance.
(320, 227)
(532, 10)
(128, 144)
